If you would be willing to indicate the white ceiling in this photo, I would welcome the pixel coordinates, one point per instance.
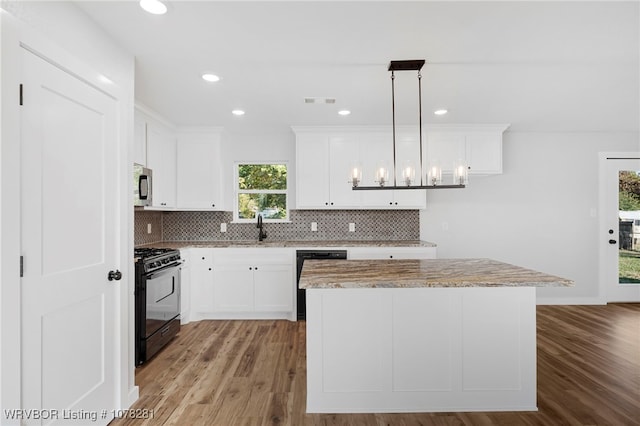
(541, 66)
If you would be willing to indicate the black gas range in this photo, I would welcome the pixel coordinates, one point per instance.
(157, 300)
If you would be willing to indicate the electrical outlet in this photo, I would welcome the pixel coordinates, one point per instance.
(223, 227)
(352, 227)
(314, 226)
(148, 228)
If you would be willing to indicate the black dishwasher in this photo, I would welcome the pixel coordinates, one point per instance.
(301, 256)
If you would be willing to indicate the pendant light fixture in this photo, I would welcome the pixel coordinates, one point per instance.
(434, 171)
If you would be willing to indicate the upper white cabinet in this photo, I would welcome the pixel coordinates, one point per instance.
(376, 148)
(161, 159)
(322, 170)
(199, 184)
(325, 155)
(480, 147)
(140, 140)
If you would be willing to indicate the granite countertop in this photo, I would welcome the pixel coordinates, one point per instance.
(389, 273)
(287, 243)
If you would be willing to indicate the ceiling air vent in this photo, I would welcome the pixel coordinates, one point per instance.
(319, 100)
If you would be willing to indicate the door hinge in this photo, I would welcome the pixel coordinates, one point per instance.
(21, 266)
(21, 98)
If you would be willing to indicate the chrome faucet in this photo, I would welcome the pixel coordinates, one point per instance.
(262, 234)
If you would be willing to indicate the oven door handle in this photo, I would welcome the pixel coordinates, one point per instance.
(173, 290)
(163, 271)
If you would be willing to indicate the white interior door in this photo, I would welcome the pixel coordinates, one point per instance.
(69, 240)
(621, 217)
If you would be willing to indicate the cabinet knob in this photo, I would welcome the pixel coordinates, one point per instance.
(209, 268)
(326, 204)
(250, 268)
(256, 268)
(202, 257)
(213, 205)
(390, 203)
(331, 203)
(391, 257)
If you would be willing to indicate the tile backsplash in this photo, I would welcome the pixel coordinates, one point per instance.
(142, 219)
(370, 225)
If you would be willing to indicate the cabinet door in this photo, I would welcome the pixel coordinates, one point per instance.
(140, 141)
(376, 149)
(198, 172)
(202, 288)
(233, 288)
(447, 148)
(161, 158)
(201, 264)
(273, 287)
(484, 152)
(343, 152)
(312, 171)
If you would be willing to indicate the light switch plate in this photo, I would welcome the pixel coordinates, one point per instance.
(223, 227)
(314, 226)
(352, 227)
(148, 228)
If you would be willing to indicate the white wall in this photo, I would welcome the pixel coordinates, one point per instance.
(540, 214)
(64, 34)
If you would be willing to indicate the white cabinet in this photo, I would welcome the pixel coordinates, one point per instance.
(239, 283)
(376, 148)
(139, 140)
(273, 287)
(199, 183)
(322, 170)
(233, 288)
(161, 159)
(392, 253)
(253, 280)
(324, 156)
(480, 147)
(201, 260)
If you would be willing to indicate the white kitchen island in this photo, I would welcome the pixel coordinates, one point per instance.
(421, 335)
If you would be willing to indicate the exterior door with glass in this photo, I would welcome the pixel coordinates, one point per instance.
(620, 227)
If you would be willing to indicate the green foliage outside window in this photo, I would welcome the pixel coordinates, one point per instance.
(262, 189)
(629, 195)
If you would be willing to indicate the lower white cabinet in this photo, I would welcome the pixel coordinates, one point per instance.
(392, 253)
(242, 283)
(201, 280)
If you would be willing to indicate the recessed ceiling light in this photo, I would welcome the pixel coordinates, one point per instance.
(440, 112)
(211, 78)
(237, 112)
(344, 112)
(155, 7)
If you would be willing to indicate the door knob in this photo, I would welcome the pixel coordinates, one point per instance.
(612, 241)
(114, 275)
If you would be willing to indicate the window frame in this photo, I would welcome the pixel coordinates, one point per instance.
(237, 191)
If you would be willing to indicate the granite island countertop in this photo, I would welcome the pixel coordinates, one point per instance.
(287, 244)
(414, 273)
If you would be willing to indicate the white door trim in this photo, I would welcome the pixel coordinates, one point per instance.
(603, 245)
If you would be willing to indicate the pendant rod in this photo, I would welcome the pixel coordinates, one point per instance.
(393, 123)
(420, 121)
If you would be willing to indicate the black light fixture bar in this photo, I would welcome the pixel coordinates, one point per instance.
(405, 65)
(378, 188)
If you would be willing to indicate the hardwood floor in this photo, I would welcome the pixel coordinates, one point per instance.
(246, 373)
